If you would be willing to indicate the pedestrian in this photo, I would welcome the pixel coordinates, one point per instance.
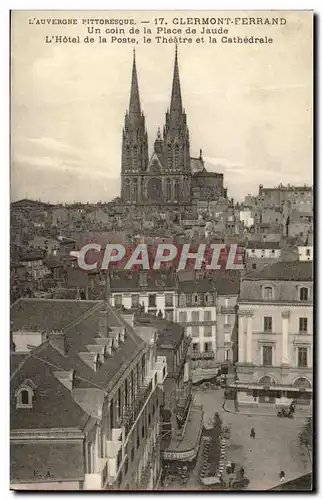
(282, 476)
(253, 433)
(241, 472)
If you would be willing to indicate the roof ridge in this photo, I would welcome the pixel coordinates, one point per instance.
(38, 348)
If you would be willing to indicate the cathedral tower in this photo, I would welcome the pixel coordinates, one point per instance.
(176, 142)
(134, 160)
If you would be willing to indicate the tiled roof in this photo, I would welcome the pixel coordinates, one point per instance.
(201, 285)
(54, 405)
(156, 280)
(284, 271)
(227, 285)
(42, 315)
(269, 245)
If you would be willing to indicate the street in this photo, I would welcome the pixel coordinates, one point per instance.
(274, 449)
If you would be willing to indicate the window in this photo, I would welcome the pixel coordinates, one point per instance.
(208, 331)
(169, 315)
(152, 300)
(226, 355)
(182, 300)
(207, 346)
(143, 431)
(302, 357)
(195, 347)
(168, 299)
(24, 395)
(138, 441)
(195, 331)
(227, 337)
(135, 300)
(207, 315)
(268, 324)
(226, 320)
(195, 298)
(267, 355)
(303, 293)
(182, 317)
(308, 252)
(195, 316)
(132, 454)
(208, 298)
(303, 324)
(268, 293)
(118, 300)
(254, 266)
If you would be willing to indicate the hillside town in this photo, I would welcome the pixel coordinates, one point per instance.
(162, 380)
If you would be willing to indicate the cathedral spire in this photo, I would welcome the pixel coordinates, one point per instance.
(134, 105)
(176, 99)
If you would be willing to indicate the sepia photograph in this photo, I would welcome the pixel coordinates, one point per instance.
(161, 250)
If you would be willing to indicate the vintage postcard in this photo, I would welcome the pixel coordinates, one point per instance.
(161, 246)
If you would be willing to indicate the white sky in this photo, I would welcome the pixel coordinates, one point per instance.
(249, 107)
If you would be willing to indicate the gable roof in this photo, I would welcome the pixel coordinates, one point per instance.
(55, 406)
(284, 271)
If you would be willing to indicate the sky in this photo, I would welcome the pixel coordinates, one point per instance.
(249, 106)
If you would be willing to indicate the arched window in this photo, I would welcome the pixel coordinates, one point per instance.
(303, 293)
(168, 189)
(176, 191)
(135, 190)
(267, 381)
(302, 382)
(24, 395)
(268, 293)
(127, 189)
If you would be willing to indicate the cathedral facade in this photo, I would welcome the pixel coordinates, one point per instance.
(170, 176)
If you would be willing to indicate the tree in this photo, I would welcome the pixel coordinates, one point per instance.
(306, 436)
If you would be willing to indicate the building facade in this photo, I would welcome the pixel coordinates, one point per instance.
(85, 401)
(275, 335)
(196, 311)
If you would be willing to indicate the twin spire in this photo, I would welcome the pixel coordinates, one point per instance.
(134, 105)
(176, 97)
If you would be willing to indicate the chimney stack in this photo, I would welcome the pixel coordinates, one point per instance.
(58, 340)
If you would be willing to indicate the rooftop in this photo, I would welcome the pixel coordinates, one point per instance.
(284, 271)
(55, 406)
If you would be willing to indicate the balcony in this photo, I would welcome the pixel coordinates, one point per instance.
(203, 355)
(97, 480)
(131, 412)
(198, 323)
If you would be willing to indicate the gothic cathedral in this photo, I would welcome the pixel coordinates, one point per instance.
(171, 176)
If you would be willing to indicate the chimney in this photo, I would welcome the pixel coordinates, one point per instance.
(103, 322)
(58, 340)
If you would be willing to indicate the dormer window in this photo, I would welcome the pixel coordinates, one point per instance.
(303, 293)
(268, 293)
(25, 394)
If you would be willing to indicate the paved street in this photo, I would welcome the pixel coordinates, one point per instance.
(274, 449)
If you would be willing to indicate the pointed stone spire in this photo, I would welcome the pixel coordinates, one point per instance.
(134, 105)
(176, 99)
